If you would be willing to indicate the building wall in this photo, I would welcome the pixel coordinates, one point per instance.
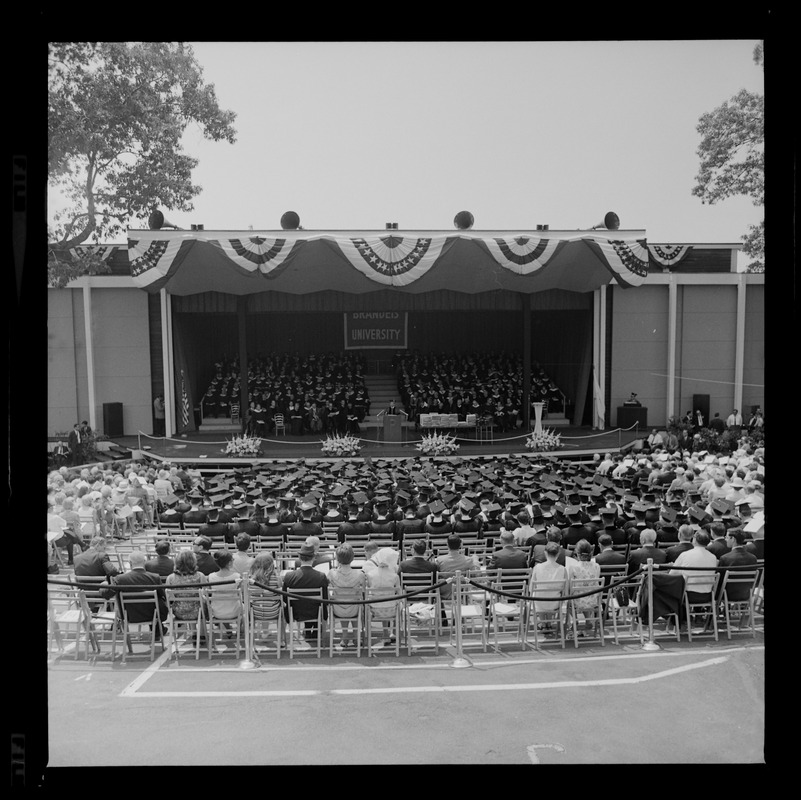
(120, 340)
(706, 336)
(122, 356)
(754, 356)
(66, 360)
(639, 351)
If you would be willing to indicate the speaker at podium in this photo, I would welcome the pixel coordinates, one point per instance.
(393, 431)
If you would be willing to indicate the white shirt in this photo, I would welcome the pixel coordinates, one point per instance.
(697, 557)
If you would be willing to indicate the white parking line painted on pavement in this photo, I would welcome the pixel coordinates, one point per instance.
(438, 689)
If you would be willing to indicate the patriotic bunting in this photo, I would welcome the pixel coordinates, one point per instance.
(522, 254)
(668, 255)
(256, 252)
(628, 261)
(393, 260)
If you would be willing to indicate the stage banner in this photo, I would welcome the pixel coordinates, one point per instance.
(376, 330)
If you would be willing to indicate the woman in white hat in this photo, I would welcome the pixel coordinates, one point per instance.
(384, 580)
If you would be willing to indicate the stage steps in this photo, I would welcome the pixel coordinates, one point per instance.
(381, 388)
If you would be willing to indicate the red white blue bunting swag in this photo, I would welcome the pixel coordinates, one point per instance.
(522, 254)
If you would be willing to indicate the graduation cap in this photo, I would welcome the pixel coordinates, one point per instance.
(220, 498)
(572, 511)
(493, 508)
(360, 498)
(640, 508)
(170, 500)
(720, 506)
(339, 491)
(668, 515)
(437, 507)
(467, 504)
(696, 515)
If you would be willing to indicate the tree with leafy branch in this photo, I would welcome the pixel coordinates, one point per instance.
(116, 115)
(732, 153)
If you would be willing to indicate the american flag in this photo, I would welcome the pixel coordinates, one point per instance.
(184, 403)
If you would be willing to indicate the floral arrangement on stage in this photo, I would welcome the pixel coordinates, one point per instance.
(341, 446)
(438, 444)
(242, 446)
(543, 441)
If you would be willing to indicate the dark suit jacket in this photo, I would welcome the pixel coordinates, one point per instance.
(674, 552)
(638, 558)
(736, 557)
(90, 562)
(509, 557)
(72, 441)
(538, 555)
(206, 563)
(417, 564)
(611, 557)
(160, 565)
(305, 577)
(140, 577)
(718, 547)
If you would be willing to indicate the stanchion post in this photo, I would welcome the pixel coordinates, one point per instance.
(459, 662)
(248, 662)
(650, 644)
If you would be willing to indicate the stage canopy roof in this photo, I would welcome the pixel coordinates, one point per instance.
(299, 262)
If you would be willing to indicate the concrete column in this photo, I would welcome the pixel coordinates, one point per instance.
(90, 356)
(673, 294)
(739, 346)
(526, 409)
(166, 353)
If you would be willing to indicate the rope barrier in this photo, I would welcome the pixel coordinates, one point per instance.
(348, 601)
(562, 597)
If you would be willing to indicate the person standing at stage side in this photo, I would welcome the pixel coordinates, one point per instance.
(734, 422)
(158, 416)
(74, 444)
(717, 424)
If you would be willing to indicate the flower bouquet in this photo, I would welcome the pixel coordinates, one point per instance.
(543, 441)
(242, 446)
(341, 446)
(438, 444)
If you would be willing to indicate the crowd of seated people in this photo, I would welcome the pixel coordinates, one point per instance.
(617, 499)
(485, 384)
(314, 393)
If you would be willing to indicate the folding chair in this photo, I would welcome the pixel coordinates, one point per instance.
(546, 613)
(354, 615)
(135, 602)
(737, 597)
(375, 613)
(421, 612)
(297, 626)
(221, 624)
(705, 607)
(265, 608)
(186, 607)
(622, 607)
(592, 613)
(471, 598)
(65, 618)
(505, 610)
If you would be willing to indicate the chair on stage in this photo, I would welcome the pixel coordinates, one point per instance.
(279, 424)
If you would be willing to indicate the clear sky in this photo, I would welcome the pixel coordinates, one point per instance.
(354, 135)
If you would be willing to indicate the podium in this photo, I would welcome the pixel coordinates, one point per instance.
(392, 428)
(629, 415)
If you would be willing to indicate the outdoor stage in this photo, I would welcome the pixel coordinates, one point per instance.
(208, 448)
